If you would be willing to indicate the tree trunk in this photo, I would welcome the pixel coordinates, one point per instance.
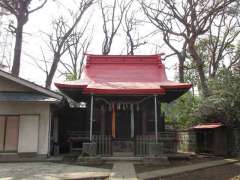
(200, 67)
(212, 75)
(181, 68)
(17, 48)
(53, 69)
(193, 91)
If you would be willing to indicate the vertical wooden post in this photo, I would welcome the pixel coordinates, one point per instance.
(132, 121)
(91, 118)
(55, 129)
(103, 120)
(156, 119)
(144, 121)
(160, 118)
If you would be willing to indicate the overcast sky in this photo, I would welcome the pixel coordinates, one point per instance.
(40, 23)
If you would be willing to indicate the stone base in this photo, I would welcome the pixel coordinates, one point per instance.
(123, 154)
(89, 149)
(155, 149)
(22, 157)
(122, 146)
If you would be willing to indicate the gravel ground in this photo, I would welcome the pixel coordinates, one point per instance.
(226, 172)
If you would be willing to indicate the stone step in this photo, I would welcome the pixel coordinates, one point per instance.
(123, 154)
(121, 158)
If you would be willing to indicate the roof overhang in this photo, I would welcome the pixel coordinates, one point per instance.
(31, 85)
(208, 126)
(26, 97)
(124, 76)
(166, 95)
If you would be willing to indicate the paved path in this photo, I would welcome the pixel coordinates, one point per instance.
(123, 170)
(49, 171)
(183, 169)
(120, 171)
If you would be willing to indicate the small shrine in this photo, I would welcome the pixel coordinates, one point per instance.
(122, 96)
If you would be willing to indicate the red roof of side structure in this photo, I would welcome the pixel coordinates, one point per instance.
(125, 75)
(208, 126)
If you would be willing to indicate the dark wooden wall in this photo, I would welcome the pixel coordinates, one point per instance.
(77, 119)
(71, 119)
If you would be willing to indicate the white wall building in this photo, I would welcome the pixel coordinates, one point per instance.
(25, 116)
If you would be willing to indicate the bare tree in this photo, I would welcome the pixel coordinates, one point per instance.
(21, 10)
(38, 61)
(180, 52)
(77, 47)
(112, 16)
(61, 36)
(235, 59)
(218, 47)
(130, 23)
(187, 20)
(236, 66)
(6, 44)
(172, 38)
(221, 39)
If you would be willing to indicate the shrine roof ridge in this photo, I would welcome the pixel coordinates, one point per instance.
(124, 59)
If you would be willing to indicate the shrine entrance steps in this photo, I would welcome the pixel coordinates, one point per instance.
(123, 154)
(123, 159)
(122, 148)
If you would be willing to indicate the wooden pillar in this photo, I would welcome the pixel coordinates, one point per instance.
(156, 118)
(132, 121)
(160, 117)
(144, 120)
(55, 129)
(91, 118)
(103, 120)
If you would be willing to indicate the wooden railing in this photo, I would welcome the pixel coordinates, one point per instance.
(104, 144)
(169, 140)
(142, 144)
(76, 138)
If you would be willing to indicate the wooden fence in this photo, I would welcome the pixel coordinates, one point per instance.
(169, 140)
(104, 144)
(142, 144)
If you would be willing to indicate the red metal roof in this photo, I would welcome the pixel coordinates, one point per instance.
(121, 74)
(208, 126)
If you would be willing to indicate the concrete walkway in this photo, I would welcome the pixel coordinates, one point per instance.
(123, 170)
(182, 169)
(49, 171)
(120, 171)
